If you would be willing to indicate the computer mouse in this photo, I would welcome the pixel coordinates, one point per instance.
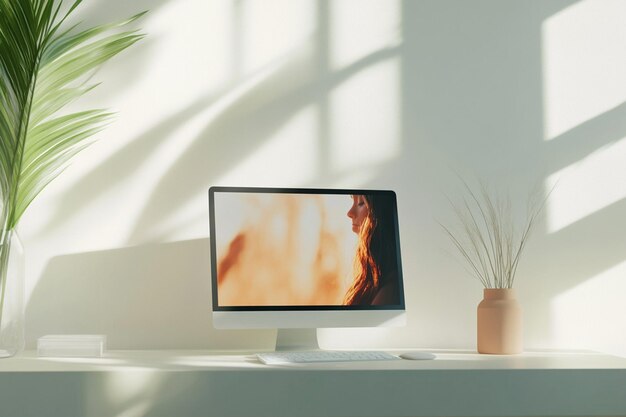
(417, 356)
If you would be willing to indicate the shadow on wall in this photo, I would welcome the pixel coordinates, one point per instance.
(130, 67)
(100, 12)
(144, 297)
(460, 81)
(245, 126)
(596, 240)
(125, 163)
(469, 99)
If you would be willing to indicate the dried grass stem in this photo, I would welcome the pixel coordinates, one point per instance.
(488, 239)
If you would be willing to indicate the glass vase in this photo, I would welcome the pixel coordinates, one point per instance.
(11, 294)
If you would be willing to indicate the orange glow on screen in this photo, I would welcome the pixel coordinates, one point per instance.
(283, 249)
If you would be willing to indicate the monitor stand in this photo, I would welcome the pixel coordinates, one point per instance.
(296, 339)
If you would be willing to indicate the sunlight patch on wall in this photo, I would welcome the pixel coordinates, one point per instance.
(289, 158)
(357, 178)
(364, 118)
(584, 62)
(272, 29)
(191, 59)
(587, 186)
(359, 28)
(577, 326)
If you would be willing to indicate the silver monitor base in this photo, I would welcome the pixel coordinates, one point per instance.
(296, 339)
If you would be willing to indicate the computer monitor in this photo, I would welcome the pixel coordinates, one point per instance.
(299, 259)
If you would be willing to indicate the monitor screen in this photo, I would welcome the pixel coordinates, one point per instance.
(304, 249)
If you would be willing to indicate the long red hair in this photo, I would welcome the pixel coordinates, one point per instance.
(375, 263)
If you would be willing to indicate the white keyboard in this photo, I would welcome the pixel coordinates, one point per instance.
(276, 358)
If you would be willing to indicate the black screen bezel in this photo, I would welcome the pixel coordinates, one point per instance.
(266, 190)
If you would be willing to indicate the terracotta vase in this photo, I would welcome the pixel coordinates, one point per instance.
(499, 322)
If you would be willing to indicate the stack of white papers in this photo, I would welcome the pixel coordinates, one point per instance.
(72, 345)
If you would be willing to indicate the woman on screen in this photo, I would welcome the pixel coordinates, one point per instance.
(376, 265)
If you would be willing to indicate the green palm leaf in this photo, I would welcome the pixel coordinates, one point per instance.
(43, 68)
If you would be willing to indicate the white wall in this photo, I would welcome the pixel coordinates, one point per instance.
(346, 93)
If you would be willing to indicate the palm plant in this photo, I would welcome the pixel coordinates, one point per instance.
(44, 64)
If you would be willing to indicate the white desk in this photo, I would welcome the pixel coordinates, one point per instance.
(191, 383)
